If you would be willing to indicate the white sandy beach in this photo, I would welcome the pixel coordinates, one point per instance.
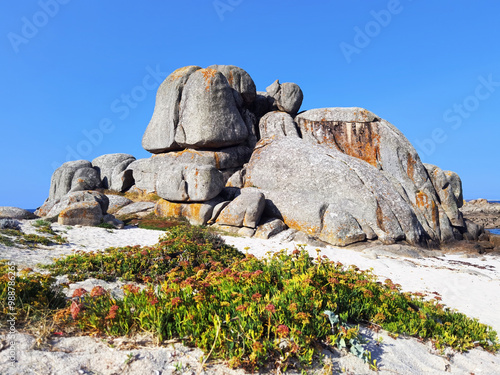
(470, 284)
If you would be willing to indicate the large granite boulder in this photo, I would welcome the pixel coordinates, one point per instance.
(111, 167)
(209, 116)
(277, 124)
(160, 133)
(245, 210)
(117, 202)
(239, 80)
(146, 172)
(16, 213)
(449, 189)
(361, 134)
(81, 213)
(195, 213)
(328, 194)
(288, 96)
(200, 108)
(85, 179)
(52, 209)
(62, 178)
(188, 182)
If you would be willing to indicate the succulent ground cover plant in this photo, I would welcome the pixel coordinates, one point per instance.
(250, 312)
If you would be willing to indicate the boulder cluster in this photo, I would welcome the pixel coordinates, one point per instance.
(248, 161)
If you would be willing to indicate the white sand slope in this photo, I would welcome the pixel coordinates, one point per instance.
(468, 284)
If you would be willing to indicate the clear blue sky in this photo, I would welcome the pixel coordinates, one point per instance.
(78, 78)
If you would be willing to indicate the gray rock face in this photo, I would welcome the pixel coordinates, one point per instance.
(288, 96)
(111, 165)
(85, 179)
(182, 183)
(277, 124)
(16, 213)
(147, 175)
(195, 213)
(116, 202)
(449, 189)
(361, 134)
(270, 228)
(138, 209)
(239, 80)
(263, 103)
(245, 210)
(160, 133)
(81, 213)
(76, 197)
(209, 116)
(62, 178)
(319, 190)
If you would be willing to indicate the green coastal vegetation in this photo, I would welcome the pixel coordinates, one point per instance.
(278, 311)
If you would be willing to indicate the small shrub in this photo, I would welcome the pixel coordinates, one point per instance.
(190, 245)
(27, 294)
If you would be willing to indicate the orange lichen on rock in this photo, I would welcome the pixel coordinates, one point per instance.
(357, 139)
(179, 73)
(194, 212)
(410, 166)
(301, 226)
(208, 74)
(422, 200)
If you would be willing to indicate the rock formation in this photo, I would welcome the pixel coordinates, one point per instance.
(228, 155)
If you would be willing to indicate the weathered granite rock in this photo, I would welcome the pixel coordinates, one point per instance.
(209, 116)
(269, 228)
(76, 197)
(239, 80)
(263, 103)
(146, 171)
(122, 181)
(473, 230)
(360, 134)
(288, 96)
(85, 179)
(111, 166)
(160, 133)
(137, 209)
(81, 213)
(62, 178)
(16, 213)
(449, 189)
(482, 212)
(277, 124)
(245, 210)
(195, 213)
(10, 224)
(182, 183)
(116, 202)
(302, 181)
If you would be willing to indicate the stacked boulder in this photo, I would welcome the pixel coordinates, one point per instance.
(248, 161)
(73, 197)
